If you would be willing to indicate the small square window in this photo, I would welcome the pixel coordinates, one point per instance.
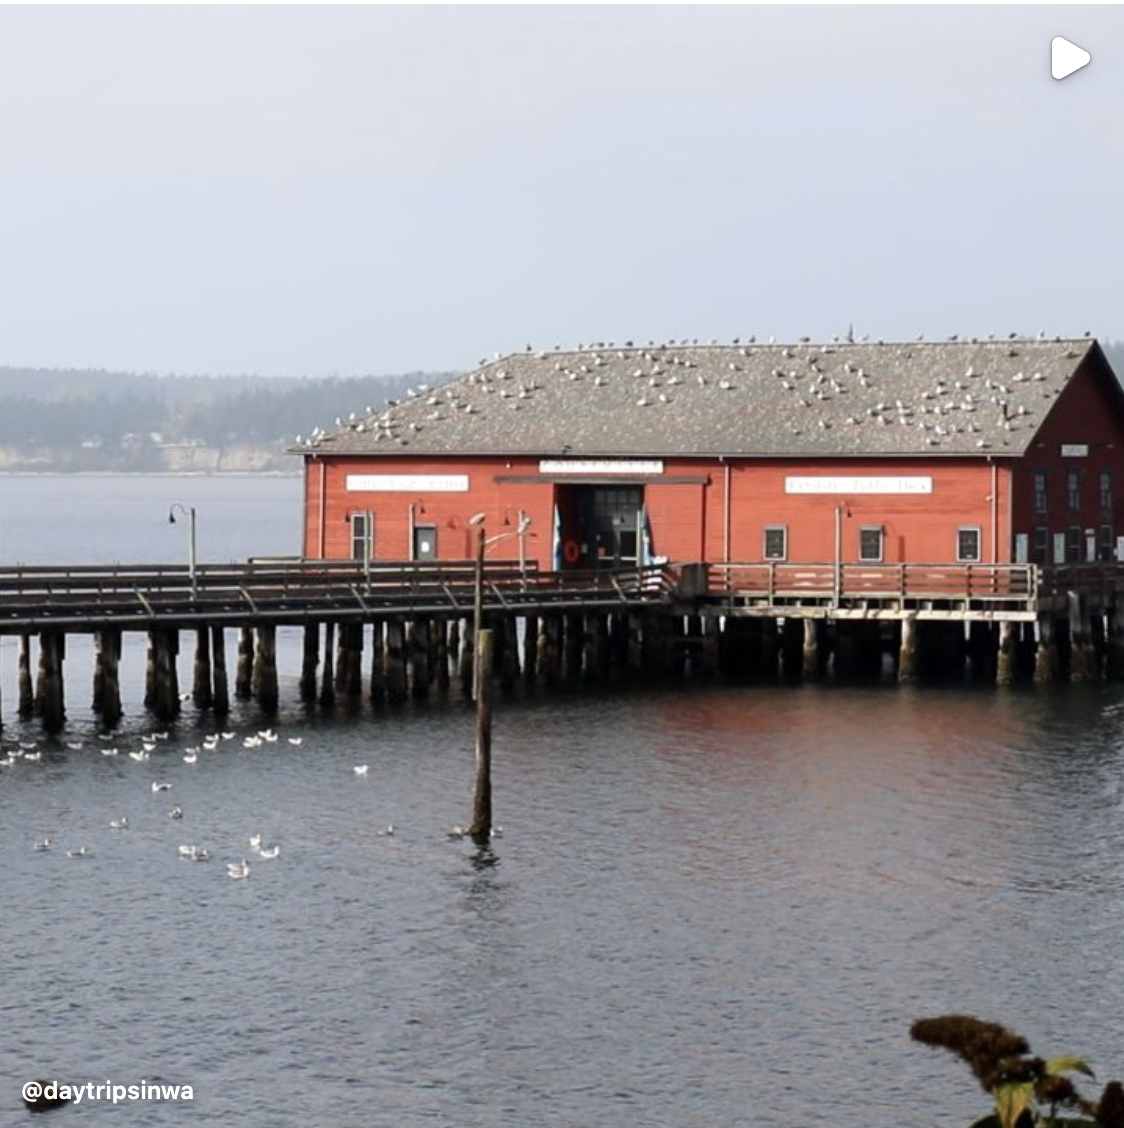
(1073, 490)
(776, 542)
(968, 545)
(870, 544)
(1040, 495)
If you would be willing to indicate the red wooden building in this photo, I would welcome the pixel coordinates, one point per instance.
(989, 451)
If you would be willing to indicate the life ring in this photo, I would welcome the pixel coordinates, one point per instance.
(571, 554)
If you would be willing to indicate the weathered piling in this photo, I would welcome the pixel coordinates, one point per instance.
(530, 647)
(327, 674)
(953, 649)
(419, 658)
(107, 679)
(1046, 659)
(907, 651)
(480, 829)
(343, 658)
(982, 650)
(509, 660)
(310, 661)
(1007, 655)
(26, 691)
(220, 694)
(810, 652)
(550, 649)
(573, 647)
(709, 647)
(265, 668)
(354, 684)
(1082, 656)
(439, 639)
(465, 664)
(202, 692)
(164, 644)
(397, 688)
(52, 651)
(1114, 659)
(150, 678)
(635, 653)
(244, 668)
(597, 647)
(845, 660)
(376, 686)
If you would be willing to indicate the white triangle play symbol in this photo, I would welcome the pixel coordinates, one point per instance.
(1066, 57)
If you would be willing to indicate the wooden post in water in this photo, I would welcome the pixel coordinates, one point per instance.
(1046, 660)
(769, 648)
(1114, 662)
(711, 641)
(573, 645)
(202, 693)
(354, 685)
(52, 650)
(530, 648)
(480, 830)
(327, 674)
(110, 657)
(166, 700)
(509, 666)
(810, 654)
(466, 662)
(98, 701)
(597, 647)
(150, 679)
(377, 685)
(244, 668)
(220, 694)
(397, 689)
(441, 653)
(981, 650)
(1083, 658)
(343, 657)
(265, 668)
(26, 691)
(907, 651)
(418, 637)
(310, 661)
(1007, 655)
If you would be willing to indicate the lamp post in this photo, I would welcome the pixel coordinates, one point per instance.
(189, 513)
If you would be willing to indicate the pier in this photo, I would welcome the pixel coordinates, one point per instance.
(395, 631)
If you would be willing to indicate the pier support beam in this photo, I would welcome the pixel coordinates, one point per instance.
(439, 654)
(810, 654)
(1082, 656)
(107, 680)
(244, 670)
(1046, 659)
(1007, 656)
(201, 692)
(377, 684)
(509, 658)
(164, 648)
(265, 668)
(220, 693)
(354, 684)
(1115, 643)
(419, 658)
(52, 651)
(530, 648)
(397, 689)
(907, 652)
(327, 674)
(573, 648)
(310, 661)
(465, 663)
(26, 692)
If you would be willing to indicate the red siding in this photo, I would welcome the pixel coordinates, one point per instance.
(1087, 413)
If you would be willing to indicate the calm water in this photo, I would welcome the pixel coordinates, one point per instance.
(708, 908)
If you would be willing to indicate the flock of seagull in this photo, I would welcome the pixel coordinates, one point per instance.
(29, 752)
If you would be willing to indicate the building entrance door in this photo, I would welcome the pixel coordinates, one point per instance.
(608, 520)
(425, 542)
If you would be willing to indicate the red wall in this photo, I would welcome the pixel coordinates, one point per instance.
(1087, 413)
(687, 519)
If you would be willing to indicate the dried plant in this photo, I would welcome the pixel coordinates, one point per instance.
(1028, 1091)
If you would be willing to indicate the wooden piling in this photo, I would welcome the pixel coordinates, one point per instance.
(1046, 660)
(530, 647)
(110, 656)
(26, 690)
(310, 661)
(465, 662)
(1114, 661)
(150, 680)
(573, 647)
(202, 693)
(711, 639)
(98, 700)
(597, 647)
(982, 650)
(419, 658)
(354, 686)
(1007, 656)
(810, 652)
(327, 674)
(441, 631)
(480, 830)
(166, 699)
(397, 688)
(907, 651)
(244, 669)
(377, 683)
(770, 649)
(1083, 658)
(343, 658)
(509, 661)
(52, 650)
(220, 694)
(265, 668)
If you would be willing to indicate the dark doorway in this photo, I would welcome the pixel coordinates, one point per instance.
(425, 542)
(606, 526)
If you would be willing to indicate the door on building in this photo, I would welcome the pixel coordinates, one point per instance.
(363, 537)
(425, 542)
(608, 520)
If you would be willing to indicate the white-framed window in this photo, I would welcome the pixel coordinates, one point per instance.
(1041, 545)
(362, 536)
(968, 544)
(775, 542)
(1106, 544)
(870, 544)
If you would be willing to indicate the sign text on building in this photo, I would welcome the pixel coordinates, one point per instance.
(1075, 450)
(847, 484)
(601, 466)
(407, 483)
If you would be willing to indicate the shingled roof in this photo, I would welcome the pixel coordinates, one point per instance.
(804, 400)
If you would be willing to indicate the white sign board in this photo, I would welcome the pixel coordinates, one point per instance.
(601, 466)
(407, 483)
(1075, 450)
(845, 484)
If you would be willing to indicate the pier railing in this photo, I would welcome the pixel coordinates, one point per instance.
(33, 597)
(831, 584)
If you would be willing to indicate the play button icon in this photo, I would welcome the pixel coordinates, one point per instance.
(1066, 57)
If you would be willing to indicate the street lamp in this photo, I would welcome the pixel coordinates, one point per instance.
(189, 513)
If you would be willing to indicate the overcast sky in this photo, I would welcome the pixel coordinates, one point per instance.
(301, 190)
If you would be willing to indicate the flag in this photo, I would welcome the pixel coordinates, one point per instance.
(646, 554)
(557, 547)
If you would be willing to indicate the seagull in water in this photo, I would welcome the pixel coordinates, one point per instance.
(119, 824)
(295, 739)
(387, 832)
(44, 844)
(268, 852)
(160, 785)
(81, 852)
(236, 871)
(255, 843)
(361, 769)
(176, 813)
